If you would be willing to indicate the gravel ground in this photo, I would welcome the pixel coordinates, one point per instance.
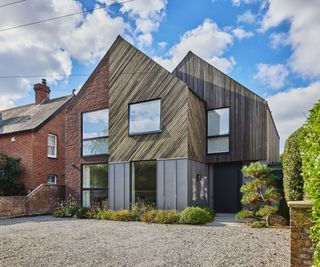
(46, 241)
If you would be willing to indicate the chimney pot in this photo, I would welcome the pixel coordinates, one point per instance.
(42, 92)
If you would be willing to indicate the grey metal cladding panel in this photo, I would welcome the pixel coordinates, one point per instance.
(127, 185)
(170, 184)
(160, 184)
(182, 183)
(111, 186)
(119, 186)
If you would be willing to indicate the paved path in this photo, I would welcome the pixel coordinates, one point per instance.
(226, 219)
(46, 241)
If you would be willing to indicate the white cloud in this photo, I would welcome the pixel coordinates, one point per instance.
(240, 33)
(207, 41)
(272, 76)
(290, 109)
(147, 15)
(278, 39)
(162, 45)
(246, 17)
(48, 48)
(238, 2)
(304, 20)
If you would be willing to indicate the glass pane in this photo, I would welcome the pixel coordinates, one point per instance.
(144, 182)
(51, 140)
(144, 117)
(218, 144)
(95, 123)
(95, 176)
(218, 121)
(95, 198)
(95, 147)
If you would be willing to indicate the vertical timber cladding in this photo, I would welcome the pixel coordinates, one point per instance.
(135, 77)
(248, 111)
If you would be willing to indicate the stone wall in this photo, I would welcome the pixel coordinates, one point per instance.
(300, 223)
(40, 201)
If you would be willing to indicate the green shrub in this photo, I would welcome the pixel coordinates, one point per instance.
(211, 213)
(82, 213)
(10, 169)
(104, 214)
(194, 215)
(166, 216)
(148, 216)
(140, 208)
(310, 147)
(66, 208)
(266, 211)
(122, 215)
(291, 162)
(244, 214)
(258, 224)
(59, 213)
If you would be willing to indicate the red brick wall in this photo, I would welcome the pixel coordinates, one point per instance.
(31, 147)
(40, 201)
(93, 95)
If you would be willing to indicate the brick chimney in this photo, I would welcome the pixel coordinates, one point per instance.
(42, 92)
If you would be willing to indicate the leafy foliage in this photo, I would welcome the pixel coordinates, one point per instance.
(243, 214)
(310, 153)
(195, 215)
(67, 208)
(10, 169)
(258, 224)
(259, 194)
(292, 163)
(161, 216)
(122, 215)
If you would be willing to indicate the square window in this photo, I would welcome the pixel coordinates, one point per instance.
(145, 117)
(52, 179)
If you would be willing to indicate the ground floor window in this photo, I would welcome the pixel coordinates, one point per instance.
(144, 182)
(95, 185)
(52, 179)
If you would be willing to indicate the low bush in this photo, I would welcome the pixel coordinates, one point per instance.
(104, 214)
(139, 208)
(211, 213)
(292, 162)
(66, 208)
(122, 215)
(167, 216)
(149, 216)
(82, 213)
(244, 214)
(194, 215)
(258, 224)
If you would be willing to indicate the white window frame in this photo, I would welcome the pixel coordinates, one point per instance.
(55, 179)
(55, 146)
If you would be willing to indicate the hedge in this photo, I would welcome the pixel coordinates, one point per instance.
(291, 162)
(310, 153)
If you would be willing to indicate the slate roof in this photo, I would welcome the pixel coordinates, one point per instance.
(29, 117)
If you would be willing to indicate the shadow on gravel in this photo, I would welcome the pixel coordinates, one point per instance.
(31, 219)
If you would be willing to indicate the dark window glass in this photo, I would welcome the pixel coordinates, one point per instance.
(145, 117)
(95, 185)
(95, 132)
(218, 131)
(144, 182)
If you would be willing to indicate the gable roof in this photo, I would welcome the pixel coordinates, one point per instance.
(30, 117)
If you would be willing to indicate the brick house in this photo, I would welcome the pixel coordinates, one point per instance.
(136, 132)
(35, 133)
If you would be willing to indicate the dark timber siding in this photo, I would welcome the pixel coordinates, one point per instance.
(273, 139)
(248, 111)
(196, 128)
(135, 77)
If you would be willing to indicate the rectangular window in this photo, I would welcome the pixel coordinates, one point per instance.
(218, 131)
(145, 117)
(52, 179)
(144, 182)
(95, 132)
(52, 146)
(95, 185)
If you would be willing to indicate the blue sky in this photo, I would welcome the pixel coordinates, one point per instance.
(269, 46)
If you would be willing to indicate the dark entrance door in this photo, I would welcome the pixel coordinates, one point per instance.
(227, 179)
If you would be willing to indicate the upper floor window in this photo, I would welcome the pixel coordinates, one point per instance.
(144, 117)
(218, 131)
(52, 146)
(95, 132)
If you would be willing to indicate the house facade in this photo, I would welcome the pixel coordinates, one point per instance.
(136, 132)
(35, 134)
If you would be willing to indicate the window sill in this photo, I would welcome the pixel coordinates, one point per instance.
(145, 133)
(52, 157)
(96, 155)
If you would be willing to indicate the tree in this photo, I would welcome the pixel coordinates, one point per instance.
(10, 168)
(259, 193)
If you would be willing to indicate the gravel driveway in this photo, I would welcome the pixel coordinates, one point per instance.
(46, 241)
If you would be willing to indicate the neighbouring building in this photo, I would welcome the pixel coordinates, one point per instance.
(35, 133)
(136, 132)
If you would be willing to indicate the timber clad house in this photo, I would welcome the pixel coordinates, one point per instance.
(136, 132)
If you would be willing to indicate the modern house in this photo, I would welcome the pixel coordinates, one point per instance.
(136, 132)
(35, 134)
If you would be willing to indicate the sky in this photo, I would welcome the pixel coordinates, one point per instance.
(270, 46)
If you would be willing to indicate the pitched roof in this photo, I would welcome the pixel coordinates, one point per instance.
(29, 117)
